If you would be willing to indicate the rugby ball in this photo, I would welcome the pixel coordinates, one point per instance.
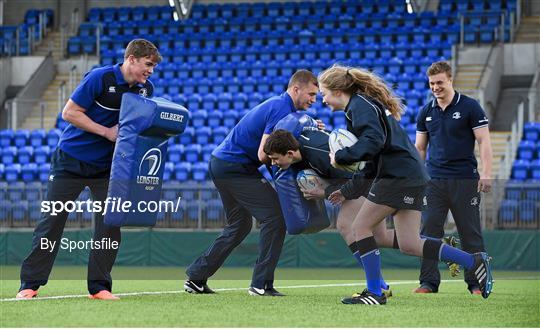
(308, 180)
(342, 138)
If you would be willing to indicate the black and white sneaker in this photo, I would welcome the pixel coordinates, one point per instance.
(197, 287)
(264, 292)
(366, 298)
(482, 272)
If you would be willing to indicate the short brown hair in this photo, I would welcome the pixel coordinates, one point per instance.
(140, 48)
(303, 77)
(439, 67)
(280, 141)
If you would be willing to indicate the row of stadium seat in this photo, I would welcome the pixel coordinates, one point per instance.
(11, 35)
(194, 168)
(528, 150)
(273, 10)
(208, 29)
(24, 137)
(527, 163)
(520, 213)
(475, 5)
(525, 169)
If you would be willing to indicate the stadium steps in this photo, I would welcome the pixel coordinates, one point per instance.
(50, 43)
(432, 5)
(499, 141)
(529, 30)
(467, 78)
(50, 97)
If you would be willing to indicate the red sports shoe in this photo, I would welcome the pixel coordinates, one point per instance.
(26, 294)
(423, 290)
(104, 295)
(476, 291)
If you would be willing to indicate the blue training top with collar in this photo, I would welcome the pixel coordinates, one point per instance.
(242, 143)
(451, 136)
(100, 94)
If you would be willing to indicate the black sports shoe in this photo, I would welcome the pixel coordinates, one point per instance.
(197, 287)
(366, 298)
(482, 272)
(264, 292)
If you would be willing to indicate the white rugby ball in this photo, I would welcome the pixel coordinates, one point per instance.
(308, 180)
(342, 138)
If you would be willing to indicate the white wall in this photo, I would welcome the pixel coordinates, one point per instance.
(521, 58)
(5, 77)
(23, 67)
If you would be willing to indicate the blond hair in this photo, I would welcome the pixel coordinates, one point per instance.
(352, 80)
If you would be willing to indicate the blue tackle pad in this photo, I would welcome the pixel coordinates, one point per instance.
(139, 157)
(301, 215)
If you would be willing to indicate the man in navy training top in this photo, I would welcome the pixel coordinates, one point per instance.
(245, 193)
(83, 158)
(450, 124)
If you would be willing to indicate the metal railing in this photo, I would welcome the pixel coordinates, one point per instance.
(68, 30)
(534, 96)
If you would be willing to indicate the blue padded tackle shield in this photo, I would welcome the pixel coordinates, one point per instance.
(301, 215)
(139, 157)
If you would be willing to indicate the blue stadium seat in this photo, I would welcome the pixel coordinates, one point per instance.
(194, 102)
(188, 136)
(192, 153)
(206, 152)
(215, 119)
(508, 211)
(25, 155)
(531, 131)
(16, 191)
(532, 190)
(520, 169)
(37, 137)
(528, 210)
(526, 150)
(29, 172)
(175, 153)
(6, 137)
(20, 211)
(513, 190)
(33, 191)
(220, 133)
(198, 118)
(214, 210)
(8, 155)
(202, 135)
(21, 137)
(254, 100)
(200, 171)
(12, 172)
(535, 169)
(182, 171)
(168, 171)
(43, 172)
(230, 118)
(209, 100)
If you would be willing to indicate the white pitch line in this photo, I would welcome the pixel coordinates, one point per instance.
(392, 283)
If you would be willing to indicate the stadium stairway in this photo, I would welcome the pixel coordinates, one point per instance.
(499, 141)
(50, 43)
(529, 30)
(50, 97)
(467, 78)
